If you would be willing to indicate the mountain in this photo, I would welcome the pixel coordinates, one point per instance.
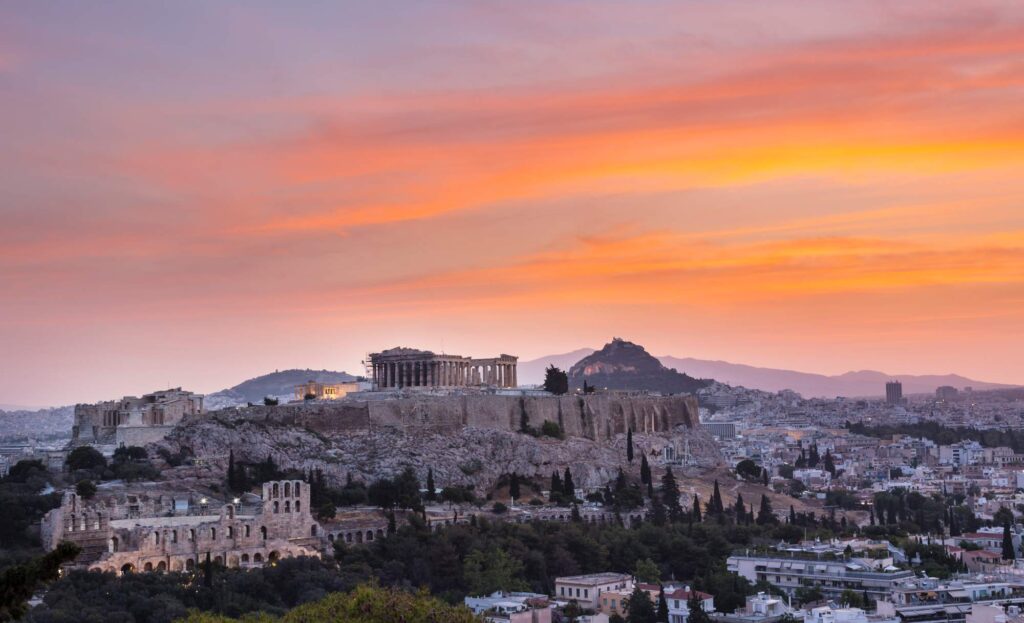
(865, 383)
(279, 384)
(625, 365)
(532, 372)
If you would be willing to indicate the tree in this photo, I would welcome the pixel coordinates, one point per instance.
(1008, 550)
(493, 570)
(717, 506)
(646, 571)
(20, 582)
(556, 488)
(645, 470)
(568, 487)
(85, 489)
(574, 516)
(695, 606)
(551, 429)
(695, 509)
(670, 495)
(748, 470)
(639, 607)
(767, 479)
(830, 465)
(765, 515)
(232, 478)
(431, 489)
(662, 614)
(556, 381)
(85, 457)
(739, 509)
(629, 445)
(270, 402)
(513, 486)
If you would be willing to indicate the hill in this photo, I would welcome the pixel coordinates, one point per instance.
(625, 365)
(865, 383)
(279, 384)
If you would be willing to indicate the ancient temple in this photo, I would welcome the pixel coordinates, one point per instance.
(397, 368)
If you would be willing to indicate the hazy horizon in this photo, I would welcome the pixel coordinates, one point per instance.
(196, 194)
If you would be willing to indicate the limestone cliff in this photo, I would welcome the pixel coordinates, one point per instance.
(466, 439)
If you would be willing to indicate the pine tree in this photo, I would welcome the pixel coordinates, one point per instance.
(629, 446)
(1008, 550)
(431, 489)
(645, 470)
(670, 495)
(568, 488)
(765, 516)
(695, 509)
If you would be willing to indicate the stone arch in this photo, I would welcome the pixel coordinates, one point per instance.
(161, 566)
(297, 485)
(213, 534)
(233, 562)
(287, 489)
(277, 507)
(369, 535)
(148, 566)
(298, 506)
(248, 530)
(218, 560)
(348, 537)
(245, 559)
(380, 533)
(114, 545)
(127, 568)
(177, 565)
(275, 491)
(287, 506)
(190, 564)
(257, 557)
(263, 532)
(273, 557)
(312, 530)
(359, 537)
(71, 524)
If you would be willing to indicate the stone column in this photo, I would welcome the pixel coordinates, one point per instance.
(515, 375)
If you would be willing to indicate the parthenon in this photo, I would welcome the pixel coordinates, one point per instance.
(397, 368)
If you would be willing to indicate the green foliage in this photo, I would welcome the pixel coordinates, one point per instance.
(943, 435)
(647, 571)
(552, 429)
(85, 489)
(639, 607)
(22, 506)
(85, 457)
(270, 402)
(629, 445)
(499, 508)
(556, 381)
(748, 470)
(18, 583)
(493, 570)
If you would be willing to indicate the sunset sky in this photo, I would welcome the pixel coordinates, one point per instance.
(195, 193)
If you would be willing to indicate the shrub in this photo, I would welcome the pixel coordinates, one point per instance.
(551, 429)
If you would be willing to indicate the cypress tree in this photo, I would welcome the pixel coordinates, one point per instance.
(662, 614)
(765, 516)
(740, 509)
(695, 510)
(717, 506)
(670, 495)
(645, 470)
(1008, 550)
(431, 490)
(629, 446)
(792, 515)
(556, 487)
(764, 472)
(568, 488)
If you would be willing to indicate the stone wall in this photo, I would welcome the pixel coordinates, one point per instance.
(598, 417)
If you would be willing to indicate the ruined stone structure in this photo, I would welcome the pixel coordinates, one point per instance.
(132, 420)
(399, 368)
(175, 533)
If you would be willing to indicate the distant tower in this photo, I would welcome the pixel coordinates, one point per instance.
(894, 393)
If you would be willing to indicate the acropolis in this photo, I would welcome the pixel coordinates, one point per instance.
(399, 368)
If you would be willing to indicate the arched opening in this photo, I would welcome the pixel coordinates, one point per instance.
(297, 490)
(312, 530)
(218, 560)
(148, 566)
(127, 568)
(161, 566)
(380, 533)
(213, 534)
(287, 489)
(71, 524)
(263, 532)
(245, 559)
(348, 537)
(233, 562)
(369, 535)
(298, 506)
(231, 532)
(192, 534)
(190, 565)
(177, 565)
(114, 544)
(156, 538)
(275, 492)
(287, 506)
(257, 557)
(277, 508)
(274, 557)
(174, 536)
(359, 537)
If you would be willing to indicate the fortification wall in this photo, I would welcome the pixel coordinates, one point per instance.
(597, 417)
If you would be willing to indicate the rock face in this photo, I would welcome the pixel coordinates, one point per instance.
(466, 440)
(625, 365)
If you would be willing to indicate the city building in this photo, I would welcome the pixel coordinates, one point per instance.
(399, 368)
(760, 608)
(587, 589)
(502, 607)
(832, 575)
(894, 393)
(946, 393)
(932, 601)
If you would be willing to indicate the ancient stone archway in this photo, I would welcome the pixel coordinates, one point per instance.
(127, 568)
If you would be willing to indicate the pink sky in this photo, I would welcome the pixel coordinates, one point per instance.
(195, 194)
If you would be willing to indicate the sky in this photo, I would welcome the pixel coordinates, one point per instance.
(196, 193)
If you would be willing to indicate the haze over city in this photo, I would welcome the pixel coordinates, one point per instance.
(193, 194)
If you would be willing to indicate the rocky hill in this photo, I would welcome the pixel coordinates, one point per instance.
(278, 384)
(465, 440)
(625, 365)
